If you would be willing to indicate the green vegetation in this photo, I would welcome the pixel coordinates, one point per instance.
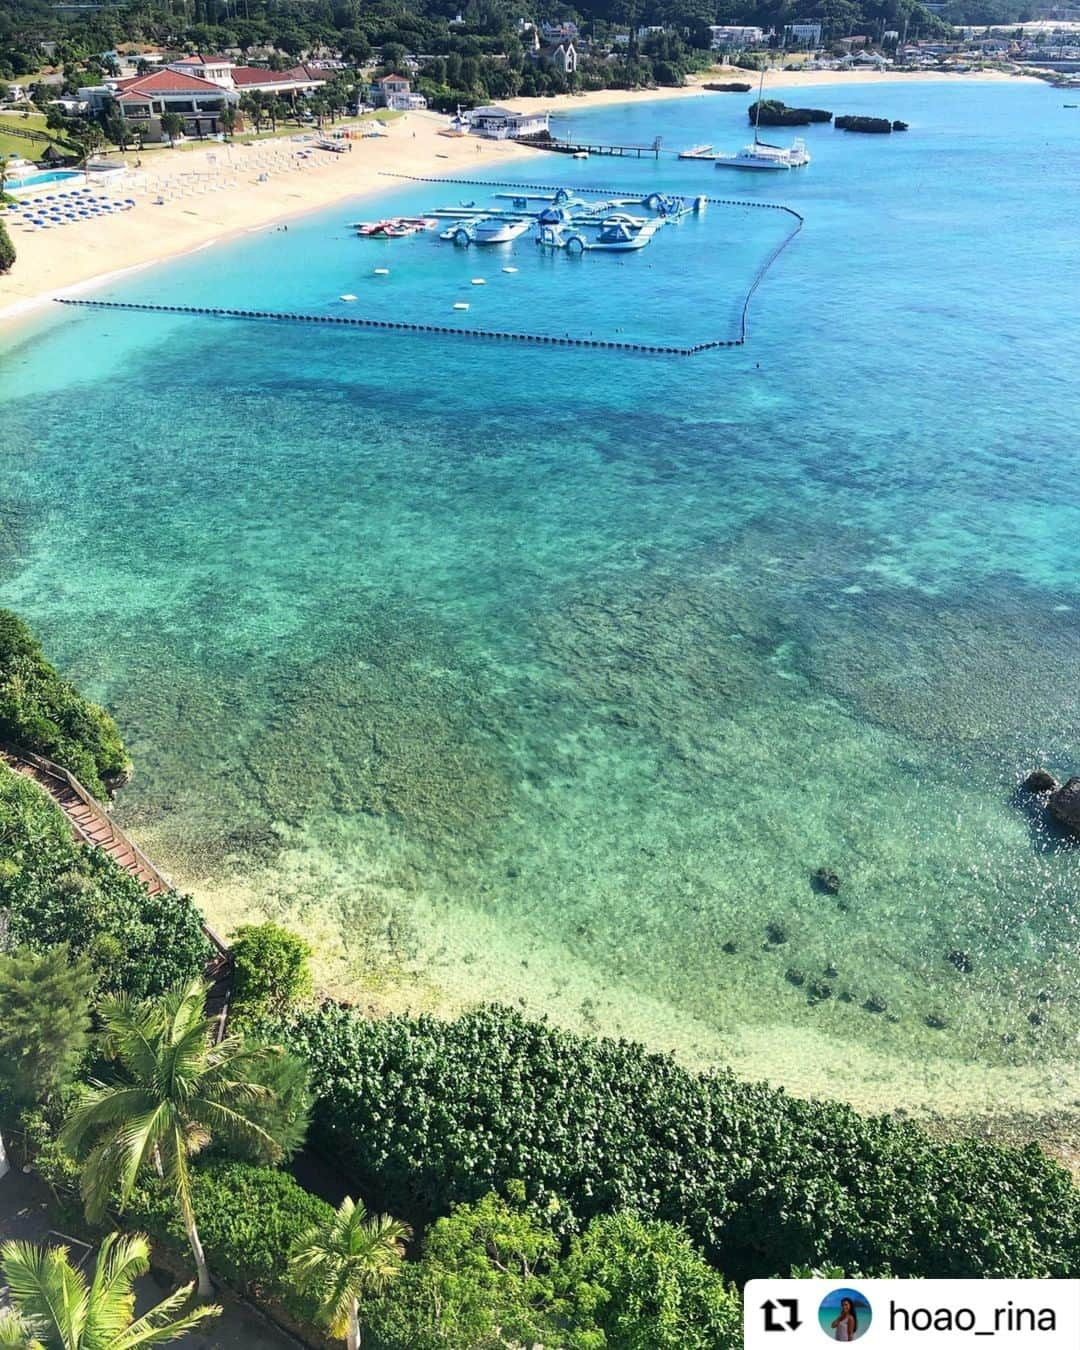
(492, 1274)
(272, 971)
(43, 712)
(249, 1218)
(44, 1024)
(637, 1284)
(55, 1307)
(423, 1114)
(55, 891)
(173, 1091)
(7, 250)
(776, 114)
(346, 1260)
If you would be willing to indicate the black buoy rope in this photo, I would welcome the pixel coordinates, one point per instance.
(446, 330)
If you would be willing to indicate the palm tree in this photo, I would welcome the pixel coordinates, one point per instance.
(54, 1308)
(349, 1256)
(177, 1089)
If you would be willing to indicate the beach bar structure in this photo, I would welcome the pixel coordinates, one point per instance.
(500, 124)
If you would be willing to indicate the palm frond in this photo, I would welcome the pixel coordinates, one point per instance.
(159, 1325)
(100, 1106)
(221, 1118)
(46, 1288)
(16, 1332)
(121, 1260)
(348, 1257)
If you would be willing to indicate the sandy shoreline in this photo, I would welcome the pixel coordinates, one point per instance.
(54, 262)
(58, 261)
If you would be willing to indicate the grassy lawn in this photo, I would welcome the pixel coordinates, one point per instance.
(19, 145)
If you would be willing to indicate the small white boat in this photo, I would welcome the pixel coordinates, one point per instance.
(486, 230)
(461, 305)
(381, 272)
(346, 298)
(580, 154)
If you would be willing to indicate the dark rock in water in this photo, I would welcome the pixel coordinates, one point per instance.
(846, 996)
(962, 962)
(937, 1021)
(776, 934)
(770, 112)
(1045, 996)
(1064, 805)
(893, 1017)
(795, 976)
(899, 126)
(831, 972)
(1036, 1019)
(819, 991)
(733, 87)
(730, 948)
(876, 1004)
(1008, 1038)
(1039, 780)
(824, 880)
(880, 126)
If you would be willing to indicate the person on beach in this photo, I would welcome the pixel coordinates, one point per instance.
(846, 1325)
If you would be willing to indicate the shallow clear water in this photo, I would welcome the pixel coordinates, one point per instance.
(553, 675)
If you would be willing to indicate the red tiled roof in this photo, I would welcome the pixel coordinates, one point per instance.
(168, 82)
(248, 75)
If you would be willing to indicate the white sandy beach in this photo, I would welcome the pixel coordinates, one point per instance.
(196, 214)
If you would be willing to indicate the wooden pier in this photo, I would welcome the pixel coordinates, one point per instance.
(93, 826)
(653, 151)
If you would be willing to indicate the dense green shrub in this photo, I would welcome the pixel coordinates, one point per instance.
(7, 249)
(272, 971)
(43, 712)
(423, 1114)
(249, 1218)
(491, 1274)
(56, 891)
(638, 1284)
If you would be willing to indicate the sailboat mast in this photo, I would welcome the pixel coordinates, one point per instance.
(757, 110)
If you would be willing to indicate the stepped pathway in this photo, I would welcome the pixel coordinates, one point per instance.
(92, 825)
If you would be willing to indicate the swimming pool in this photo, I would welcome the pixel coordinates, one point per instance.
(37, 180)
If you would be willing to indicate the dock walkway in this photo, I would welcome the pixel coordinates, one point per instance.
(92, 825)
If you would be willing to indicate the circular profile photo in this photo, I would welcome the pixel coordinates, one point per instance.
(844, 1315)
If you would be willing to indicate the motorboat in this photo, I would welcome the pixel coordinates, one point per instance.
(486, 230)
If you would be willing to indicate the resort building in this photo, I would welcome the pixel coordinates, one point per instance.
(730, 37)
(145, 99)
(802, 35)
(500, 124)
(290, 84)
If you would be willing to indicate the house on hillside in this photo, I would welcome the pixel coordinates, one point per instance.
(562, 55)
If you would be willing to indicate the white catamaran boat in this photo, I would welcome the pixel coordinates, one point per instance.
(761, 155)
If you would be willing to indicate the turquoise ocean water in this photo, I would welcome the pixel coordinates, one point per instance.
(552, 675)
